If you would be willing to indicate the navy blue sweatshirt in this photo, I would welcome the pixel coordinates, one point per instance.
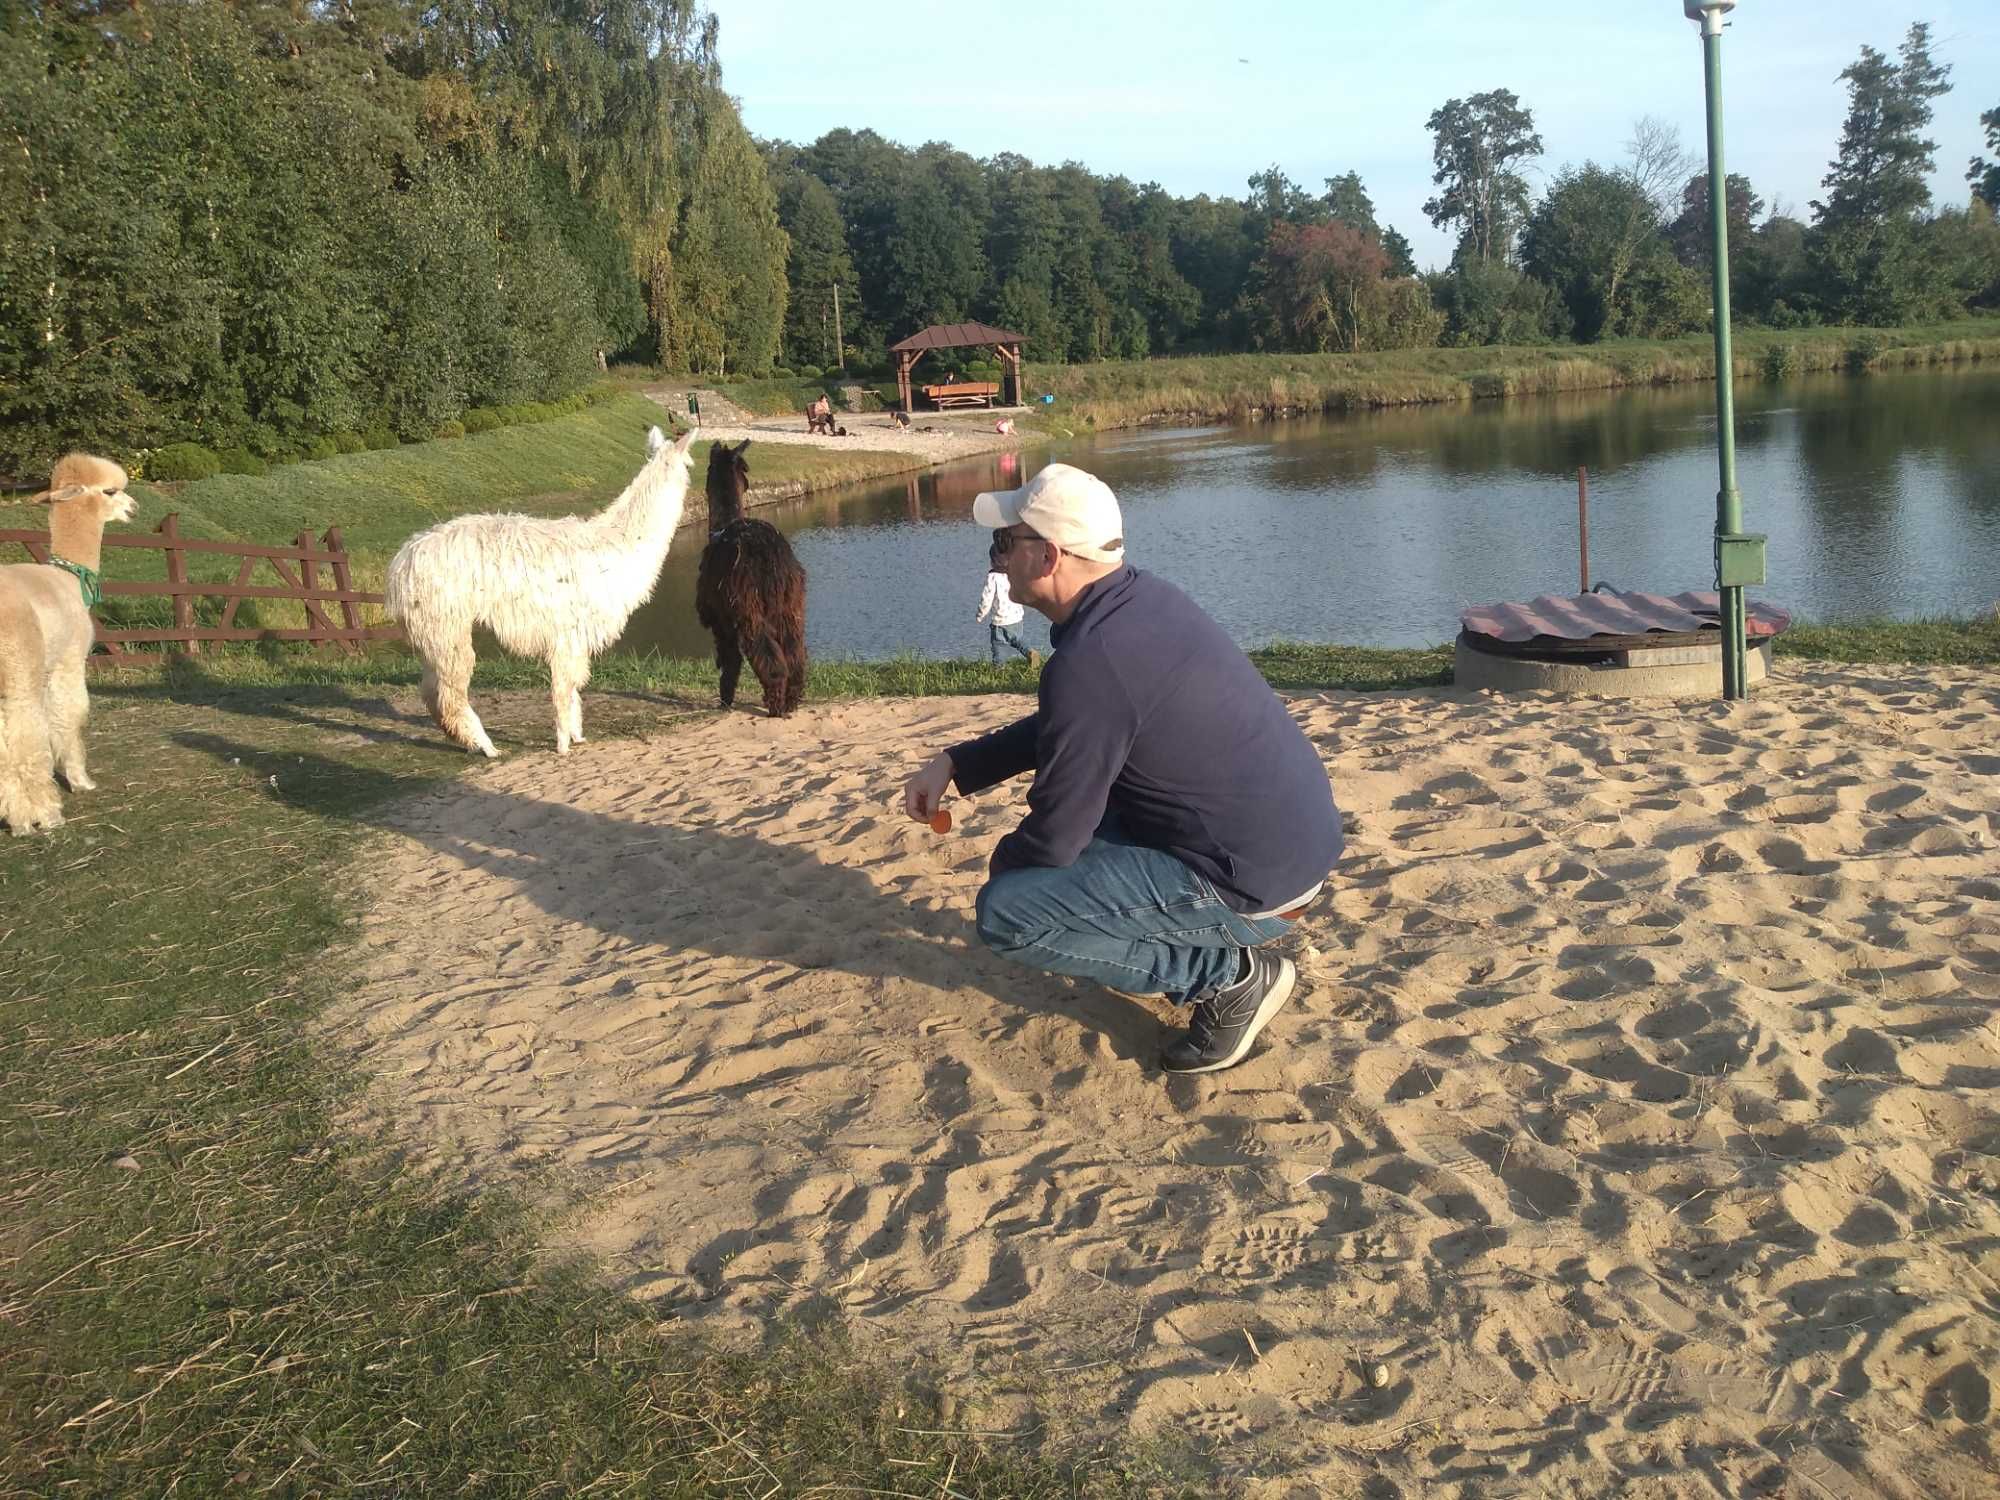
(1150, 713)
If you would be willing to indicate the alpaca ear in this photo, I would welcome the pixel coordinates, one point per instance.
(686, 441)
(57, 497)
(655, 441)
(741, 446)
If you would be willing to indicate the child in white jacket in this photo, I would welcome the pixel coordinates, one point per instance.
(1000, 614)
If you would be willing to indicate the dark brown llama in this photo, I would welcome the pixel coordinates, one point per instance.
(751, 592)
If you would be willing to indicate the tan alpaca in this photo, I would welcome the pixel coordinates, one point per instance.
(45, 636)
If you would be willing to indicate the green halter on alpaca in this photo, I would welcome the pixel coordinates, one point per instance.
(87, 579)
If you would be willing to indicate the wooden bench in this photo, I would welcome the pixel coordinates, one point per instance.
(965, 393)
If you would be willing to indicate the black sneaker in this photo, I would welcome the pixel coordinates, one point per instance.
(1227, 1022)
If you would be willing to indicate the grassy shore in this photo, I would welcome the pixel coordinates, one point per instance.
(1242, 387)
(211, 1282)
(559, 467)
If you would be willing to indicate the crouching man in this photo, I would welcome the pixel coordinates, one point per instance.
(1178, 816)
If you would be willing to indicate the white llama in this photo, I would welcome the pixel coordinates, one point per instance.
(559, 589)
(46, 632)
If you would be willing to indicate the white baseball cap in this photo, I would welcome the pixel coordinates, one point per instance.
(1064, 505)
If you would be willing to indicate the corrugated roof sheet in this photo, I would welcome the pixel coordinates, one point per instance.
(955, 336)
(1580, 617)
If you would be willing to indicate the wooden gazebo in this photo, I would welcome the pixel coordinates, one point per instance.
(961, 336)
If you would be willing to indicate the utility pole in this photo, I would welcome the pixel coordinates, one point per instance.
(1739, 556)
(839, 343)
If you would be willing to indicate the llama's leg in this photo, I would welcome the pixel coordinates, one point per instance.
(769, 664)
(28, 797)
(68, 709)
(566, 679)
(453, 669)
(432, 700)
(730, 659)
(795, 669)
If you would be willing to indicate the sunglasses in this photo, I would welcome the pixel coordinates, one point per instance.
(1004, 540)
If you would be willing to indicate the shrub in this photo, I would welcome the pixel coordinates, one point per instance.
(451, 429)
(350, 442)
(179, 461)
(320, 447)
(481, 419)
(807, 372)
(242, 461)
(1864, 351)
(1780, 361)
(781, 372)
(381, 436)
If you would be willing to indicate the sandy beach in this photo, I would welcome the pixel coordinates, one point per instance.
(931, 438)
(1633, 1131)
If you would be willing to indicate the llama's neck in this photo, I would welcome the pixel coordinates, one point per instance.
(643, 518)
(76, 534)
(724, 505)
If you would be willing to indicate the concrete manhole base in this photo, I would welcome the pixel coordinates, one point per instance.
(1666, 672)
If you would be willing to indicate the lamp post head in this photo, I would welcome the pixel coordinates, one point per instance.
(1707, 14)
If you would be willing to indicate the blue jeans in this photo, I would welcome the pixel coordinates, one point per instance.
(1133, 918)
(995, 634)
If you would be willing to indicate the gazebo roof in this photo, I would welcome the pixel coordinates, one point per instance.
(955, 336)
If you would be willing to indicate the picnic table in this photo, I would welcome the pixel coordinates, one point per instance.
(963, 393)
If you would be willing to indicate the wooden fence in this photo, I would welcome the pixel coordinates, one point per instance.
(298, 568)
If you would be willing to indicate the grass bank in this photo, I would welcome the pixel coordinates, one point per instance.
(1245, 387)
(559, 467)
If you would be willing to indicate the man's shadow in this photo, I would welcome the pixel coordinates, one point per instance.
(674, 881)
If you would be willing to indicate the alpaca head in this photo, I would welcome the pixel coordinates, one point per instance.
(85, 494)
(728, 482)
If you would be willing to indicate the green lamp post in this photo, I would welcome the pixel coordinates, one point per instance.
(1739, 556)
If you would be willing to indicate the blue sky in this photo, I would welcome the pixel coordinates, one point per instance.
(1197, 97)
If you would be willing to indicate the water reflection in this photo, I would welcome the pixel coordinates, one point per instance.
(1881, 495)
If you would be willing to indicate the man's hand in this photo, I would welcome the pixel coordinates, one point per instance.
(923, 793)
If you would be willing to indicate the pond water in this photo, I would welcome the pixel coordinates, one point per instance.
(1880, 494)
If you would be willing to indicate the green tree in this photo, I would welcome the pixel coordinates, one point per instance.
(1491, 302)
(1767, 279)
(1477, 144)
(1167, 303)
(1689, 234)
(1885, 160)
(1213, 249)
(1984, 175)
(1322, 281)
(1347, 201)
(816, 269)
(722, 306)
(1868, 259)
(1023, 240)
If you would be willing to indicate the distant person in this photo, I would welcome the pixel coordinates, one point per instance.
(1178, 817)
(999, 613)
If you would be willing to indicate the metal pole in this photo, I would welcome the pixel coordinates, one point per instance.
(839, 342)
(1728, 503)
(1583, 530)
